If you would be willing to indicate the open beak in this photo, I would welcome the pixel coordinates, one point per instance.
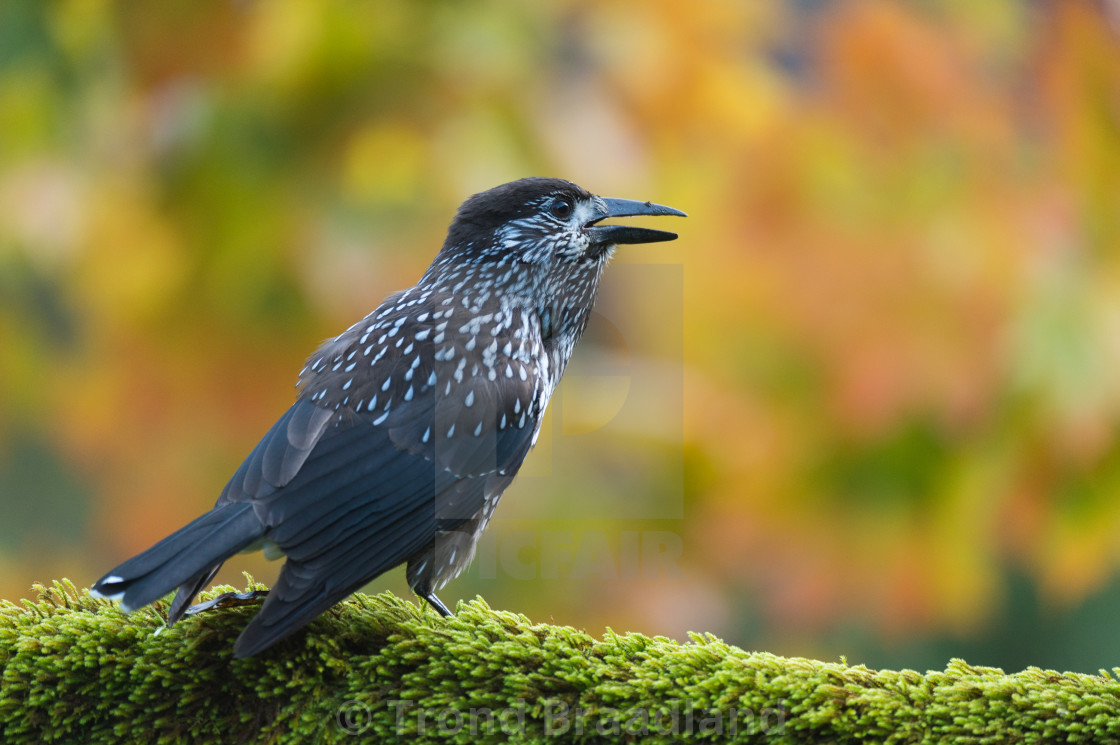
(602, 234)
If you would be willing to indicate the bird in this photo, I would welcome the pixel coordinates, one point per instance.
(408, 426)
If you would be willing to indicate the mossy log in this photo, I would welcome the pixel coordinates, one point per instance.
(382, 669)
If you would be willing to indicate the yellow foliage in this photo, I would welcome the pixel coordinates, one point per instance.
(883, 377)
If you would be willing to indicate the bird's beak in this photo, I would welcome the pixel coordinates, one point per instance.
(602, 234)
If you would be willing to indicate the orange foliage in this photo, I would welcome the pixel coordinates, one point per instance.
(895, 377)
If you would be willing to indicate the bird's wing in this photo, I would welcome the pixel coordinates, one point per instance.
(357, 507)
(280, 454)
(347, 492)
(478, 430)
(411, 413)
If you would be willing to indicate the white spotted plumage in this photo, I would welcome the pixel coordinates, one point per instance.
(479, 344)
(411, 423)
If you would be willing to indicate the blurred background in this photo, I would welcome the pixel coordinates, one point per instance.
(866, 405)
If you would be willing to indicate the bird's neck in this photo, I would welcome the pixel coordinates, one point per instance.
(559, 297)
(562, 299)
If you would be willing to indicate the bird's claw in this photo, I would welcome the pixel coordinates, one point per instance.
(228, 600)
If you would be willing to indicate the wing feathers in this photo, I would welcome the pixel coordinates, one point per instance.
(346, 499)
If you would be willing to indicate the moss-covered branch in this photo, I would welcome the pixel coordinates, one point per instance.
(76, 669)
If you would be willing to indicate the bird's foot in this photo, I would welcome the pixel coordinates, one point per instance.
(228, 600)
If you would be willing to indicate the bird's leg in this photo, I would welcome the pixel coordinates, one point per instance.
(436, 603)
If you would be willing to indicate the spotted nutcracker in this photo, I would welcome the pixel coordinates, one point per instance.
(410, 424)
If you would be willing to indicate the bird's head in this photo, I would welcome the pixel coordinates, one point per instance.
(546, 223)
(537, 243)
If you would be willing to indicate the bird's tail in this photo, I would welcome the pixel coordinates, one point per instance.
(189, 554)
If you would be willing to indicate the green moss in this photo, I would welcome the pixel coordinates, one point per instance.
(77, 669)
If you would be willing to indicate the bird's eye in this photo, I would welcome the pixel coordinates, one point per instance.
(561, 208)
